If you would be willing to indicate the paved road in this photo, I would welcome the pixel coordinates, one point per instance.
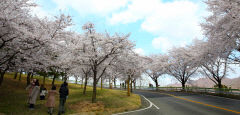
(178, 103)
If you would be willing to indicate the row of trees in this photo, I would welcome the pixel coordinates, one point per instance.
(210, 57)
(29, 44)
(47, 47)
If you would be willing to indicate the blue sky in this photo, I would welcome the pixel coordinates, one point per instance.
(155, 25)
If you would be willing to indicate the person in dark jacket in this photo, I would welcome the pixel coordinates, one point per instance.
(63, 91)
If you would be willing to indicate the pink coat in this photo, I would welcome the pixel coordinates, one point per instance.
(51, 98)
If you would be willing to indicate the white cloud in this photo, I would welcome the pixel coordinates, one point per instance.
(162, 43)
(178, 20)
(139, 51)
(175, 19)
(97, 7)
(136, 10)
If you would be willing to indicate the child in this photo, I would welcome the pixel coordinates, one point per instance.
(51, 99)
(43, 92)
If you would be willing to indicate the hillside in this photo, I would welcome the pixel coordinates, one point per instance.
(205, 82)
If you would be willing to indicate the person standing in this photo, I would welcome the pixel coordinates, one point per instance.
(29, 88)
(34, 95)
(63, 91)
(51, 99)
(43, 92)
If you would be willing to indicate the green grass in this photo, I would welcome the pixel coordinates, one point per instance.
(13, 99)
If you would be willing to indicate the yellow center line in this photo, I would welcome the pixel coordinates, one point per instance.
(201, 103)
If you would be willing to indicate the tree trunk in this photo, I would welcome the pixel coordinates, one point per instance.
(131, 84)
(134, 83)
(28, 78)
(128, 88)
(125, 85)
(94, 94)
(85, 85)
(2, 75)
(140, 83)
(76, 78)
(44, 77)
(15, 76)
(219, 84)
(101, 83)
(114, 81)
(82, 82)
(110, 84)
(53, 81)
(20, 76)
(31, 76)
(65, 78)
(183, 86)
(156, 82)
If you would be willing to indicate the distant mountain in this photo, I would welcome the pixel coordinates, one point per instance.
(206, 82)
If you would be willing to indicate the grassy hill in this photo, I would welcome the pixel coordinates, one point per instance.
(13, 99)
(207, 83)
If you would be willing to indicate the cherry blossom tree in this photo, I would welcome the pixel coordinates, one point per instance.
(78, 48)
(216, 70)
(101, 51)
(180, 65)
(15, 29)
(27, 42)
(47, 55)
(222, 27)
(113, 74)
(213, 66)
(222, 32)
(155, 67)
(131, 67)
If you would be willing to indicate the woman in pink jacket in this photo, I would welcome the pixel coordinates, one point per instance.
(51, 99)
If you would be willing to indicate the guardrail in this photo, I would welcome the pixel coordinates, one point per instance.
(196, 89)
(188, 89)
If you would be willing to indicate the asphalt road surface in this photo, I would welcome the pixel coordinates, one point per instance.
(179, 103)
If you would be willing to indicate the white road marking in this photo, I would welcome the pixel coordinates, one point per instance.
(151, 104)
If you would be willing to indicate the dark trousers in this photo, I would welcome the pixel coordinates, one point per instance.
(61, 105)
(31, 106)
(42, 97)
